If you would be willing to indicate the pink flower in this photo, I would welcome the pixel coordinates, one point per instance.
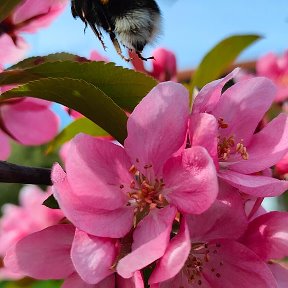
(267, 236)
(164, 66)
(28, 121)
(275, 68)
(60, 252)
(20, 221)
(28, 16)
(207, 252)
(232, 117)
(141, 185)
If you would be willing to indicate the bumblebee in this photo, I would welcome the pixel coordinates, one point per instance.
(133, 23)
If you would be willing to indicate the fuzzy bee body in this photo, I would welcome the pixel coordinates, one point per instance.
(133, 22)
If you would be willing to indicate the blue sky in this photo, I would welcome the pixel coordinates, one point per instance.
(190, 29)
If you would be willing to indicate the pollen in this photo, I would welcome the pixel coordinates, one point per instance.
(226, 145)
(198, 260)
(145, 194)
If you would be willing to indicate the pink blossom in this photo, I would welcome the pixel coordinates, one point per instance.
(142, 184)
(60, 252)
(28, 121)
(28, 16)
(276, 68)
(19, 221)
(164, 66)
(232, 117)
(207, 252)
(267, 236)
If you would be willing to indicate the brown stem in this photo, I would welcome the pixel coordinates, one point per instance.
(12, 173)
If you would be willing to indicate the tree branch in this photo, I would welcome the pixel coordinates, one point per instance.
(12, 173)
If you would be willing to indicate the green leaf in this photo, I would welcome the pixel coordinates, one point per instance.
(81, 125)
(37, 60)
(51, 202)
(220, 58)
(80, 96)
(6, 6)
(126, 87)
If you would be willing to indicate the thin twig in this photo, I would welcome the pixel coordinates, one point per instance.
(12, 173)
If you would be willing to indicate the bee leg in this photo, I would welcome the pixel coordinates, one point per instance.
(98, 34)
(143, 58)
(117, 46)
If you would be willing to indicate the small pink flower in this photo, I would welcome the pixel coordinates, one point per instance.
(20, 221)
(232, 117)
(267, 237)
(28, 121)
(105, 183)
(60, 252)
(164, 66)
(276, 68)
(28, 16)
(207, 252)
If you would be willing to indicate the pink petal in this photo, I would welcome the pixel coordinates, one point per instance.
(74, 281)
(267, 235)
(87, 217)
(151, 238)
(242, 107)
(191, 181)
(266, 147)
(134, 282)
(164, 65)
(209, 95)
(5, 148)
(93, 256)
(175, 256)
(282, 166)
(30, 127)
(37, 14)
(44, 254)
(136, 62)
(229, 265)
(255, 185)
(157, 127)
(226, 218)
(95, 56)
(203, 130)
(280, 273)
(96, 170)
(240, 267)
(11, 53)
(267, 66)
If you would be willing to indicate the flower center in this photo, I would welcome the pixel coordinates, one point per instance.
(145, 194)
(226, 145)
(198, 259)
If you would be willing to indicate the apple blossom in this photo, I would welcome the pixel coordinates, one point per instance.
(164, 65)
(276, 68)
(231, 119)
(142, 185)
(20, 221)
(207, 251)
(28, 16)
(28, 121)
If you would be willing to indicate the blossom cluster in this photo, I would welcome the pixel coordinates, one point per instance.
(179, 201)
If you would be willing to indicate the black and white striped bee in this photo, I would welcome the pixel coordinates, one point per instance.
(133, 23)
